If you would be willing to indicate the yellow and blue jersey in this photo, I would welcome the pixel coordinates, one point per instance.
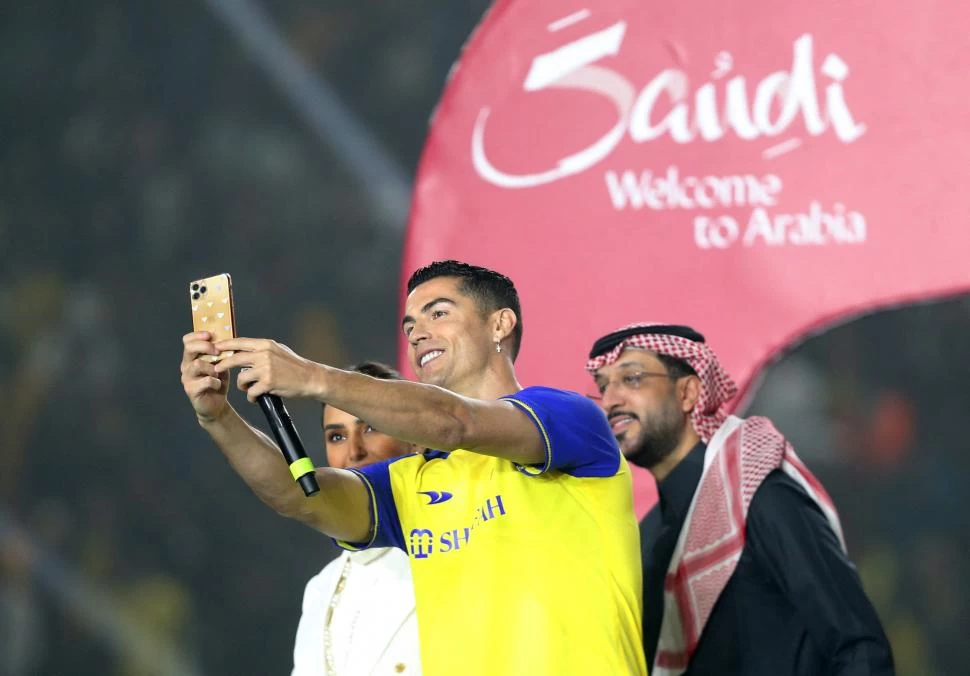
(520, 569)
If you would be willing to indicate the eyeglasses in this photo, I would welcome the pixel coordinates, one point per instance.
(627, 381)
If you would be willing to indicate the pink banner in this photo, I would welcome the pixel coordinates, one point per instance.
(757, 170)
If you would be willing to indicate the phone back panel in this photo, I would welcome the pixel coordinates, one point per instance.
(212, 309)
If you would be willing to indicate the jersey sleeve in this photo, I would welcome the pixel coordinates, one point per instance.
(385, 529)
(577, 438)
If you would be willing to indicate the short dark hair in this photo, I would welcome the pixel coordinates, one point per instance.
(490, 290)
(374, 369)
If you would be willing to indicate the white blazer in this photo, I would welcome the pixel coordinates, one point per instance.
(373, 629)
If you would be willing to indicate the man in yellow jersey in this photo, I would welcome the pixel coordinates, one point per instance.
(526, 489)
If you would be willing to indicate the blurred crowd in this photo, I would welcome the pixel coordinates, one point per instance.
(140, 148)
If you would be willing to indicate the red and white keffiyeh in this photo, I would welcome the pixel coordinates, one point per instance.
(717, 388)
(740, 454)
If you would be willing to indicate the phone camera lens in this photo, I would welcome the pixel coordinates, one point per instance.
(202, 290)
(195, 286)
(195, 296)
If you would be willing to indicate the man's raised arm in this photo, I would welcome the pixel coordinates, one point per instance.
(340, 509)
(425, 415)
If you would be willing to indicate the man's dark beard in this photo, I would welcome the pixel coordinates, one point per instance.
(655, 446)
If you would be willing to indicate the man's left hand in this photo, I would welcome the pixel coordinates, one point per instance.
(269, 368)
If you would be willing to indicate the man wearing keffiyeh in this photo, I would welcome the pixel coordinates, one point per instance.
(745, 569)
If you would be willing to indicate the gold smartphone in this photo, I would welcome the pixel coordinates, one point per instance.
(212, 310)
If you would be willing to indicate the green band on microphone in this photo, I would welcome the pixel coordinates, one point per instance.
(301, 467)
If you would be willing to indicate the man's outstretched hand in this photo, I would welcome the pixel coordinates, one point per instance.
(268, 368)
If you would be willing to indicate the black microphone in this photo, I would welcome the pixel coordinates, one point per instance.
(301, 467)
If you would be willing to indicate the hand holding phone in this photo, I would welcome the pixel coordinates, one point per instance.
(213, 310)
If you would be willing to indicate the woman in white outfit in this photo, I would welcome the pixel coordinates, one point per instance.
(358, 612)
